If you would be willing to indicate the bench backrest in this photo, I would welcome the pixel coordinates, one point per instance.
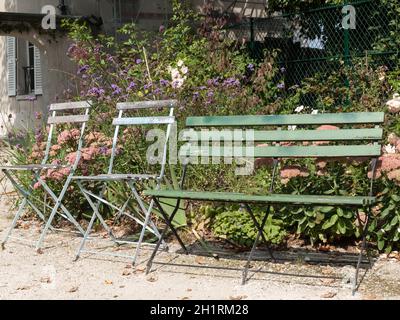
(357, 135)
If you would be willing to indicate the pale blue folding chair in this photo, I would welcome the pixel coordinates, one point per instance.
(80, 117)
(131, 180)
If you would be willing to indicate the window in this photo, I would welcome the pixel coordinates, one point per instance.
(24, 73)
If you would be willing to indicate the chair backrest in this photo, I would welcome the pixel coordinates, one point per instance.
(60, 115)
(357, 135)
(122, 120)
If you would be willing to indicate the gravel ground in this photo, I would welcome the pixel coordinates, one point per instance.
(24, 274)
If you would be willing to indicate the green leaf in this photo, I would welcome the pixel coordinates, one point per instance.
(394, 221)
(325, 209)
(342, 227)
(330, 222)
(395, 197)
(381, 244)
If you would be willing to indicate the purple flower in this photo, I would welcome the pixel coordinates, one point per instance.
(213, 82)
(147, 86)
(161, 29)
(18, 146)
(157, 91)
(210, 94)
(96, 92)
(110, 58)
(83, 69)
(231, 82)
(103, 150)
(116, 89)
(250, 66)
(164, 82)
(131, 86)
(283, 70)
(202, 88)
(139, 61)
(281, 86)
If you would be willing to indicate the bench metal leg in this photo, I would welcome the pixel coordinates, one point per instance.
(364, 247)
(260, 234)
(168, 221)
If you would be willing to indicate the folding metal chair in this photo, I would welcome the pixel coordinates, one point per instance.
(131, 180)
(28, 199)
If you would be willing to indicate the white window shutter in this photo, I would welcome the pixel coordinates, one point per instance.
(38, 72)
(11, 66)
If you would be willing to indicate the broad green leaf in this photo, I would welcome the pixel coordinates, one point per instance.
(330, 222)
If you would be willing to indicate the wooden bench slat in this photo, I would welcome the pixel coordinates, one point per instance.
(68, 119)
(284, 151)
(286, 135)
(147, 104)
(143, 120)
(272, 198)
(281, 120)
(70, 105)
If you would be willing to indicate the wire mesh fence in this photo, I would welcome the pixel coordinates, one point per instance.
(321, 40)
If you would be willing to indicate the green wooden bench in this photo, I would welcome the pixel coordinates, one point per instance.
(359, 135)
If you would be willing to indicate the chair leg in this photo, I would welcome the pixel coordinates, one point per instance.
(363, 248)
(168, 221)
(95, 208)
(146, 222)
(14, 222)
(153, 254)
(260, 235)
(261, 229)
(164, 233)
(85, 237)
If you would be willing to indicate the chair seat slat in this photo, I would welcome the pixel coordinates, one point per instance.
(271, 198)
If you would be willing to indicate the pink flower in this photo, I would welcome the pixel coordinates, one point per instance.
(37, 185)
(289, 172)
(89, 153)
(325, 127)
(71, 158)
(64, 137)
(394, 175)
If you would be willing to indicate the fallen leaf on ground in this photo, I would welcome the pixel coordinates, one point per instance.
(189, 290)
(328, 295)
(108, 282)
(23, 288)
(45, 280)
(73, 289)
(152, 278)
(327, 281)
(140, 269)
(370, 297)
(185, 298)
(199, 260)
(237, 297)
(126, 272)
